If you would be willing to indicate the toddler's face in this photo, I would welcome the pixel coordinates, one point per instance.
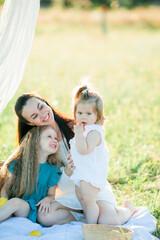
(48, 141)
(85, 114)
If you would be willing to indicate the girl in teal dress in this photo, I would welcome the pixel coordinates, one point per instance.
(29, 176)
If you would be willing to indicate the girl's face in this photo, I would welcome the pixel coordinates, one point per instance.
(37, 112)
(48, 141)
(85, 114)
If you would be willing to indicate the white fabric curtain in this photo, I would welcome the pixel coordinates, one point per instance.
(17, 28)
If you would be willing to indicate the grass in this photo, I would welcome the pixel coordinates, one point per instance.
(124, 68)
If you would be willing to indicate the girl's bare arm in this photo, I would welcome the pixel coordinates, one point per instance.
(51, 193)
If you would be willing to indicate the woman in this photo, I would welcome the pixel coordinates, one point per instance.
(32, 110)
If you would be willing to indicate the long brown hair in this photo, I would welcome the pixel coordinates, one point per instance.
(65, 124)
(26, 167)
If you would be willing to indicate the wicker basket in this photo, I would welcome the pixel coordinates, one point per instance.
(105, 232)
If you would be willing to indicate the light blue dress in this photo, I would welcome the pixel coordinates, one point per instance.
(48, 177)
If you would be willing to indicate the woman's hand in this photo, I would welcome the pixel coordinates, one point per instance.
(71, 125)
(44, 205)
(70, 167)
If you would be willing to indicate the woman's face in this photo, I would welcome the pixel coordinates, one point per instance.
(37, 112)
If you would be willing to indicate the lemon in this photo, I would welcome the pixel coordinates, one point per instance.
(3, 200)
(35, 233)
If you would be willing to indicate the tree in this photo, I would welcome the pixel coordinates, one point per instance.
(46, 3)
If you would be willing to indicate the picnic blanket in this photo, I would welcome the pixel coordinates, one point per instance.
(17, 228)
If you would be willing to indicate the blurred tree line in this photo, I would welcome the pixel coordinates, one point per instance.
(95, 3)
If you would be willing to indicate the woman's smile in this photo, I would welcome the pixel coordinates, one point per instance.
(37, 112)
(46, 118)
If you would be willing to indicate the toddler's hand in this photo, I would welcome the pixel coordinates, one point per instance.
(44, 205)
(78, 129)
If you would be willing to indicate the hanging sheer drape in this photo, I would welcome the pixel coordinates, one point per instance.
(17, 28)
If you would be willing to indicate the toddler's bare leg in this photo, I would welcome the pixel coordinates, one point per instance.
(15, 206)
(87, 195)
(115, 215)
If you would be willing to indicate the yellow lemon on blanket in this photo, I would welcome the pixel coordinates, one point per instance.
(3, 200)
(35, 233)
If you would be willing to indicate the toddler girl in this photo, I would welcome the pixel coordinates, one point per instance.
(90, 156)
(30, 174)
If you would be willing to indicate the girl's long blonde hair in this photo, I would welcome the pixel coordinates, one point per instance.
(26, 167)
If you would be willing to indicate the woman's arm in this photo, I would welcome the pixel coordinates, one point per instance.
(65, 184)
(85, 146)
(70, 166)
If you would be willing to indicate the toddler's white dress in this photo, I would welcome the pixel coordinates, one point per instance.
(65, 193)
(91, 167)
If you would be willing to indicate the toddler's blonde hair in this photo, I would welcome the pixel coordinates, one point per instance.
(84, 94)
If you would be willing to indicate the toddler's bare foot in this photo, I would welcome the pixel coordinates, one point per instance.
(129, 204)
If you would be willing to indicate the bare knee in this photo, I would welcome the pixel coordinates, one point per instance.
(108, 214)
(48, 219)
(107, 220)
(44, 219)
(15, 202)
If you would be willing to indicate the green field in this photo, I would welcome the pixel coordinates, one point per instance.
(124, 66)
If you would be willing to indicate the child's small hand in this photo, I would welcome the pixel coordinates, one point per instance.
(78, 129)
(44, 205)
